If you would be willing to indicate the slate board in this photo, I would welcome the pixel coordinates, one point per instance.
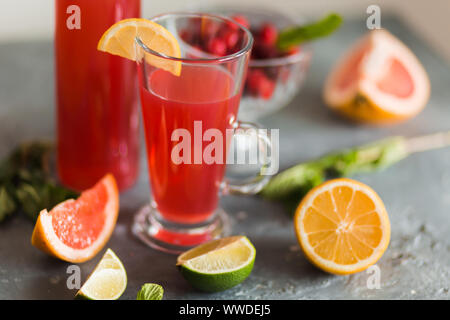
(416, 193)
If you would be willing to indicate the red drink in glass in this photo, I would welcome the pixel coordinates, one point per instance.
(186, 117)
(96, 93)
(186, 193)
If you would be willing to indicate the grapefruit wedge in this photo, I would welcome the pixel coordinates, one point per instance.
(76, 230)
(379, 80)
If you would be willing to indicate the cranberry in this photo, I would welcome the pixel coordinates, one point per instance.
(263, 51)
(231, 38)
(209, 29)
(273, 72)
(242, 20)
(268, 34)
(186, 36)
(217, 46)
(259, 84)
(253, 79)
(266, 89)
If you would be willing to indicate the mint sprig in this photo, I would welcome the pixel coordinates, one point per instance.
(26, 182)
(150, 291)
(295, 36)
(299, 179)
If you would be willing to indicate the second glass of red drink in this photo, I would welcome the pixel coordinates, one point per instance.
(183, 114)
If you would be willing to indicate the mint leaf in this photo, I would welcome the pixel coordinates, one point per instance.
(7, 204)
(295, 36)
(294, 181)
(29, 200)
(150, 291)
(26, 181)
(41, 195)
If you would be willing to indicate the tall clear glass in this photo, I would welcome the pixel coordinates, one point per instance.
(183, 114)
(96, 96)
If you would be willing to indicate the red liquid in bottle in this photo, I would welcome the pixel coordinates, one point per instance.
(96, 95)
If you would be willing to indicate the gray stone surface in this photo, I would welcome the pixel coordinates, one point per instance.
(416, 193)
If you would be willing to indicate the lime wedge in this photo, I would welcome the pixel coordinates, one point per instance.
(108, 280)
(219, 264)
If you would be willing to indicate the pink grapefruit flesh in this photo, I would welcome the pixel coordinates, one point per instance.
(379, 80)
(76, 230)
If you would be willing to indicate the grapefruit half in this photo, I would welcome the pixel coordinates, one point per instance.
(379, 80)
(76, 230)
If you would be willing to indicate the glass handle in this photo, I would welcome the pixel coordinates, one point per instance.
(254, 184)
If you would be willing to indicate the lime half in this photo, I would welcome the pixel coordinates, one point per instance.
(108, 280)
(219, 264)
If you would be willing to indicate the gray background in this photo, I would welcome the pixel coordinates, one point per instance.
(416, 193)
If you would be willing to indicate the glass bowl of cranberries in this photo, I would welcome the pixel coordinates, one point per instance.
(274, 77)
